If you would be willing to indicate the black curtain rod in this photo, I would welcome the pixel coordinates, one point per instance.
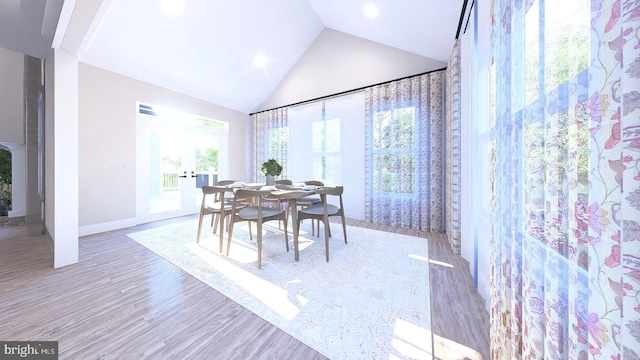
(469, 18)
(348, 91)
(464, 10)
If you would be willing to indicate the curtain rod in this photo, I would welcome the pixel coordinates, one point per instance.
(347, 92)
(464, 10)
(469, 18)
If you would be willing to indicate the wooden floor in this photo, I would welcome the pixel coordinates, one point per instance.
(121, 301)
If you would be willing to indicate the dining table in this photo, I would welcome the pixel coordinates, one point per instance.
(289, 192)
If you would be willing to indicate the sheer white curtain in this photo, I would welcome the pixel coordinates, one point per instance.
(327, 143)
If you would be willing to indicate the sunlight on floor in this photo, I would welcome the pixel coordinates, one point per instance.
(435, 262)
(451, 350)
(271, 295)
(419, 257)
(342, 316)
(411, 341)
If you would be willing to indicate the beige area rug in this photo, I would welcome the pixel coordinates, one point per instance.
(371, 301)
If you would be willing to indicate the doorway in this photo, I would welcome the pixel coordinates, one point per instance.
(177, 154)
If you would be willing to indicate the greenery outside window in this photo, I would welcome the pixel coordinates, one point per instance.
(395, 150)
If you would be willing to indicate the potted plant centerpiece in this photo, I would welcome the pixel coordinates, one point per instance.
(271, 169)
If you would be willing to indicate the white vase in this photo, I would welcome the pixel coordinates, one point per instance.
(271, 180)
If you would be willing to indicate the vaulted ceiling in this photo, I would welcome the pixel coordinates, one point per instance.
(207, 48)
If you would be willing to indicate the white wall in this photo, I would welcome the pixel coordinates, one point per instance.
(107, 148)
(11, 97)
(65, 162)
(18, 180)
(338, 62)
(49, 142)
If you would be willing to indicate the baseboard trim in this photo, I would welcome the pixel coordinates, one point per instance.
(106, 226)
(47, 235)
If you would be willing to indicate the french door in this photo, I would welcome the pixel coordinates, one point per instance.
(175, 158)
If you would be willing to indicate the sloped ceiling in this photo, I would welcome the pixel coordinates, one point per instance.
(206, 48)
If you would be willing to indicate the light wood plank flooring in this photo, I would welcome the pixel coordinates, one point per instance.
(121, 301)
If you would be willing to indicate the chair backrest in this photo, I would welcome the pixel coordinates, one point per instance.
(334, 191)
(208, 190)
(211, 190)
(291, 194)
(245, 194)
(314, 183)
(337, 190)
(225, 182)
(284, 182)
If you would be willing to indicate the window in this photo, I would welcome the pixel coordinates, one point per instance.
(554, 119)
(395, 168)
(325, 149)
(326, 143)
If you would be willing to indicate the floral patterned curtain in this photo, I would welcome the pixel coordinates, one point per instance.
(453, 212)
(270, 140)
(566, 246)
(404, 165)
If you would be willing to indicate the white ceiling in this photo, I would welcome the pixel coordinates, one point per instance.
(207, 51)
(28, 26)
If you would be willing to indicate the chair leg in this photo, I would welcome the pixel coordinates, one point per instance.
(286, 237)
(288, 214)
(285, 217)
(259, 245)
(214, 223)
(229, 238)
(221, 233)
(344, 228)
(199, 228)
(326, 238)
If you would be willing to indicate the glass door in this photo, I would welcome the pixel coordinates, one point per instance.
(175, 158)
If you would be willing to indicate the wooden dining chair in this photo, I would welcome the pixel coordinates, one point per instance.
(322, 211)
(311, 200)
(258, 213)
(276, 201)
(213, 205)
(228, 196)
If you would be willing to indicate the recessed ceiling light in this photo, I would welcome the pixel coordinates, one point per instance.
(371, 11)
(172, 7)
(260, 61)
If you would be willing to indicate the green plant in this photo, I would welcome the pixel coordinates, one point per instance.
(5, 167)
(5, 192)
(271, 167)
